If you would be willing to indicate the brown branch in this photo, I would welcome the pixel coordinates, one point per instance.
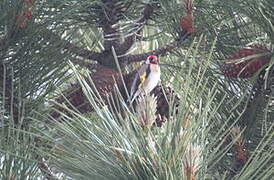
(79, 51)
(127, 44)
(129, 41)
(111, 36)
(109, 17)
(160, 51)
(84, 53)
(82, 63)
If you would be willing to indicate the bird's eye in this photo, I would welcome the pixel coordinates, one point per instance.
(150, 58)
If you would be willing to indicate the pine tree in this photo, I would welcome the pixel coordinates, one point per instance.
(66, 67)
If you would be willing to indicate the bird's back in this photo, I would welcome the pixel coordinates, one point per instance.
(140, 78)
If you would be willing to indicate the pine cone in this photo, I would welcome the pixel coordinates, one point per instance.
(187, 24)
(246, 68)
(104, 80)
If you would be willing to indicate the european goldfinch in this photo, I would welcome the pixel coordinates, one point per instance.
(146, 78)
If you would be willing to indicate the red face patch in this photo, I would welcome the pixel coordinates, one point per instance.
(153, 59)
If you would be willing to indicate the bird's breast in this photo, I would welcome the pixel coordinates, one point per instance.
(155, 68)
(152, 79)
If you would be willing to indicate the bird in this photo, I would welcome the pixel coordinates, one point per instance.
(146, 78)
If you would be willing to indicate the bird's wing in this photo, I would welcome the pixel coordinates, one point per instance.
(140, 78)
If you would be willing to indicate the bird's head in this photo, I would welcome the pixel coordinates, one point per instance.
(152, 60)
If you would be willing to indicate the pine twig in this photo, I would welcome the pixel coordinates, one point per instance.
(129, 41)
(160, 51)
(82, 63)
(109, 17)
(84, 53)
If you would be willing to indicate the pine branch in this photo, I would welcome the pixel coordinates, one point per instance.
(160, 51)
(129, 41)
(109, 17)
(79, 51)
(81, 62)
(84, 53)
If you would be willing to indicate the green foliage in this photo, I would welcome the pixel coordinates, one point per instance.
(108, 144)
(17, 152)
